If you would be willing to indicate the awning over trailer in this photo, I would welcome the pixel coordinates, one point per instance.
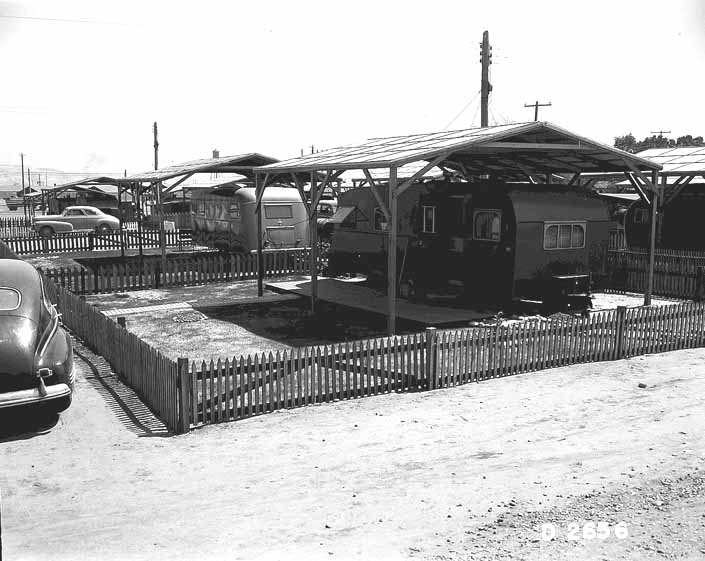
(86, 182)
(241, 164)
(507, 152)
(678, 161)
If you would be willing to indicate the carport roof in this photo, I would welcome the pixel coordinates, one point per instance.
(92, 180)
(678, 161)
(242, 164)
(505, 150)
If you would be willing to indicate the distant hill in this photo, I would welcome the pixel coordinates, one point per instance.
(11, 178)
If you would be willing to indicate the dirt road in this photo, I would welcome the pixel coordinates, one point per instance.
(475, 472)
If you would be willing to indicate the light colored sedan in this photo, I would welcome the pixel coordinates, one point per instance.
(75, 218)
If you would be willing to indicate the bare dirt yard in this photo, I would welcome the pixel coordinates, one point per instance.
(226, 320)
(474, 472)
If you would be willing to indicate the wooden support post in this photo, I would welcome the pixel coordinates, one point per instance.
(260, 255)
(313, 237)
(183, 423)
(621, 317)
(121, 212)
(431, 358)
(700, 284)
(652, 242)
(392, 253)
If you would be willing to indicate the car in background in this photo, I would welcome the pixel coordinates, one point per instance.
(75, 218)
(36, 354)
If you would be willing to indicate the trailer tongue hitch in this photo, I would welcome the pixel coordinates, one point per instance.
(41, 374)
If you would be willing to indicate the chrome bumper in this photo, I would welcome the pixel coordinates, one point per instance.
(27, 397)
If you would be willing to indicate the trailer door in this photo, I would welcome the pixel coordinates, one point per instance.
(281, 236)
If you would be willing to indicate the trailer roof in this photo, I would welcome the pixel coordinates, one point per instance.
(505, 150)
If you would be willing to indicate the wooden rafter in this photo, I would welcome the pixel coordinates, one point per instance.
(647, 182)
(179, 182)
(430, 165)
(677, 188)
(378, 197)
(637, 188)
(300, 189)
(260, 192)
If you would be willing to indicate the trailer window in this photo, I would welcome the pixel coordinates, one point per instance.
(235, 209)
(278, 211)
(564, 236)
(380, 222)
(429, 220)
(487, 225)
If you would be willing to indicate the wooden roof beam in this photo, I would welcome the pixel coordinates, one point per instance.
(641, 176)
(637, 188)
(534, 146)
(260, 192)
(179, 182)
(378, 197)
(300, 189)
(677, 188)
(429, 166)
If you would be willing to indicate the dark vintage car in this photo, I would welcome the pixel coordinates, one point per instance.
(36, 355)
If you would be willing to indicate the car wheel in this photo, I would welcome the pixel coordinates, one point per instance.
(46, 231)
(104, 228)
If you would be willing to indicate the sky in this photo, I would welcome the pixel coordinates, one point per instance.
(84, 81)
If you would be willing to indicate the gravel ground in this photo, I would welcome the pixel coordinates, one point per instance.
(471, 472)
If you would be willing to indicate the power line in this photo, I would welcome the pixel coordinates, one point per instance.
(462, 111)
(477, 110)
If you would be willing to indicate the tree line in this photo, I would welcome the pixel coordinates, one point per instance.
(630, 144)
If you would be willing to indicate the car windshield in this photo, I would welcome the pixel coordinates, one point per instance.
(9, 299)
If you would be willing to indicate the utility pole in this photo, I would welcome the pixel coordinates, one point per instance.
(660, 133)
(485, 86)
(160, 214)
(24, 195)
(536, 106)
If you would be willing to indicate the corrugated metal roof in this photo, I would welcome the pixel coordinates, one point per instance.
(242, 164)
(685, 161)
(536, 147)
(90, 180)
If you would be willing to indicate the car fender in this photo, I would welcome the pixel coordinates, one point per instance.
(58, 356)
(56, 225)
(107, 223)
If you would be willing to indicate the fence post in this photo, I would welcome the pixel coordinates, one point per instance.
(700, 284)
(620, 332)
(431, 361)
(183, 392)
(157, 274)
